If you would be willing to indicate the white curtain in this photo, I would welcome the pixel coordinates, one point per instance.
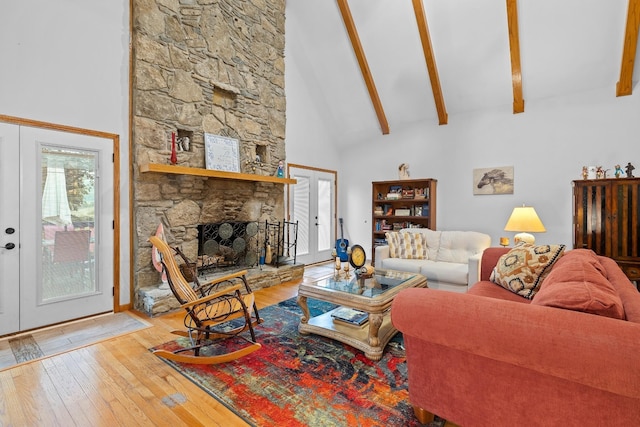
(55, 205)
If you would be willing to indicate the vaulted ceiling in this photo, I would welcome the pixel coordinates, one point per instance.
(377, 65)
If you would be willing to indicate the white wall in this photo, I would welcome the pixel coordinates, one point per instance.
(67, 62)
(547, 145)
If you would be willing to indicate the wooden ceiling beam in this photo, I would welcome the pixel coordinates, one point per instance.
(625, 84)
(430, 59)
(514, 49)
(364, 65)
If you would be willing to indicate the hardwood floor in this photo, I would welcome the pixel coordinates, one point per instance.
(119, 382)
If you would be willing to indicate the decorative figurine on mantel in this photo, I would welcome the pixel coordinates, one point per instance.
(255, 164)
(183, 143)
(630, 169)
(280, 171)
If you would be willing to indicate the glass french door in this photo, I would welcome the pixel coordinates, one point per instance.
(312, 203)
(57, 227)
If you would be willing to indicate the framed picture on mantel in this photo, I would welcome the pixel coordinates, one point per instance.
(221, 153)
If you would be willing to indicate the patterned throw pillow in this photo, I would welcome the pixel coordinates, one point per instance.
(523, 268)
(414, 246)
(406, 245)
(393, 240)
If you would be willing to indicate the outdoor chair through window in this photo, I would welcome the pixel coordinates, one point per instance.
(71, 257)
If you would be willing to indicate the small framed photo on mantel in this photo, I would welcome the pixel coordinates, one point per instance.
(221, 153)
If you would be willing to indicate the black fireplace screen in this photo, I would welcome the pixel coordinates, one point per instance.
(227, 244)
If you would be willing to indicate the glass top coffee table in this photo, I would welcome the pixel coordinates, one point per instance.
(373, 296)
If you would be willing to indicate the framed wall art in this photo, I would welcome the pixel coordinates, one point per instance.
(497, 180)
(221, 153)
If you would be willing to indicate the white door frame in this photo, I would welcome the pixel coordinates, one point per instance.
(313, 255)
(111, 219)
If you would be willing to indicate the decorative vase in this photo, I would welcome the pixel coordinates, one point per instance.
(174, 153)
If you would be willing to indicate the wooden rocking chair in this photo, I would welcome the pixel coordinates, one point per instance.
(209, 313)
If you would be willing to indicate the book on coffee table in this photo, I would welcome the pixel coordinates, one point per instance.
(350, 316)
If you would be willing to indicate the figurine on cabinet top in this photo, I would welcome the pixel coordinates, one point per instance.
(618, 172)
(601, 172)
(585, 172)
(630, 169)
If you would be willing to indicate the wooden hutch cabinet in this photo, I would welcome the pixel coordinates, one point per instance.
(606, 216)
(401, 204)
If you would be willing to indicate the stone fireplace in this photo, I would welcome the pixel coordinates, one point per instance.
(204, 67)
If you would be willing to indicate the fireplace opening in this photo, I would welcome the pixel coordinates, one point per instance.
(233, 244)
(227, 245)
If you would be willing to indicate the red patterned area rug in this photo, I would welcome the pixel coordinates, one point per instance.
(307, 380)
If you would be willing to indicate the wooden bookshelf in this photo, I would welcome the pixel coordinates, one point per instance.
(415, 206)
(182, 170)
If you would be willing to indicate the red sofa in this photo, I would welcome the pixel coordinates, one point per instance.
(493, 358)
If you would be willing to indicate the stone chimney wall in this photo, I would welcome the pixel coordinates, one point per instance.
(204, 66)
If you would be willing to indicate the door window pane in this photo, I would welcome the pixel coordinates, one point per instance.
(68, 222)
(324, 215)
(301, 207)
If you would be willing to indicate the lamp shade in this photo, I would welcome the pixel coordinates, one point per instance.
(524, 219)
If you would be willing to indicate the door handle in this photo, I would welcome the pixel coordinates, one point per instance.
(9, 245)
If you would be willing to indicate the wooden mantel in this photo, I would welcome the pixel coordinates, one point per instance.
(182, 170)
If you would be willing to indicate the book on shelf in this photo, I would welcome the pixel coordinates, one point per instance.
(350, 316)
(403, 212)
(379, 241)
(422, 193)
(408, 193)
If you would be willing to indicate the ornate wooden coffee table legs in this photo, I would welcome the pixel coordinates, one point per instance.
(375, 321)
(302, 302)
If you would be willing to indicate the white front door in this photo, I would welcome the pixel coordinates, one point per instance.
(312, 203)
(64, 256)
(9, 230)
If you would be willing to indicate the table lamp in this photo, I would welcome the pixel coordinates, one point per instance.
(524, 220)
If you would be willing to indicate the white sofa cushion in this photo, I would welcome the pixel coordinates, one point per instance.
(410, 265)
(445, 272)
(458, 246)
